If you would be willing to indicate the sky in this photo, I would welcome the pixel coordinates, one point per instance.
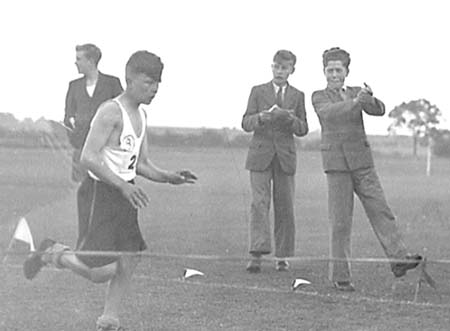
(215, 51)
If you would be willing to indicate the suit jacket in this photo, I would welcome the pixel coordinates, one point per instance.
(83, 107)
(274, 138)
(344, 144)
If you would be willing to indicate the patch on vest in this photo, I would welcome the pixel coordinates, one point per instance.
(128, 143)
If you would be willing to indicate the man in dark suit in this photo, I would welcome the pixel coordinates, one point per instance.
(349, 167)
(275, 113)
(83, 97)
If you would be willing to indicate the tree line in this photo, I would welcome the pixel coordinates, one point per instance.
(419, 117)
(51, 134)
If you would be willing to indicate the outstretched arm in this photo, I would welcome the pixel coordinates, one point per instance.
(326, 108)
(147, 169)
(369, 103)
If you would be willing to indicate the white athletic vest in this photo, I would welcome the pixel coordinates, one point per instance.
(122, 160)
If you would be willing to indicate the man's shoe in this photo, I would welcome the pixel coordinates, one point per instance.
(282, 265)
(399, 269)
(34, 262)
(106, 323)
(345, 286)
(254, 266)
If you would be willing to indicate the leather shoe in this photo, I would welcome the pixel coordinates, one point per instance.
(399, 269)
(282, 265)
(254, 266)
(34, 263)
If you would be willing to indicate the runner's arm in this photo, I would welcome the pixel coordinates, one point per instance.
(147, 169)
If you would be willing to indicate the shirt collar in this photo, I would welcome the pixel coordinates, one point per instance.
(276, 87)
(343, 89)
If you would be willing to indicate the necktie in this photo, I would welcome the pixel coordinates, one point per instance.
(279, 100)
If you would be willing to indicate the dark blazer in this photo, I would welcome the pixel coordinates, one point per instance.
(83, 107)
(344, 143)
(274, 137)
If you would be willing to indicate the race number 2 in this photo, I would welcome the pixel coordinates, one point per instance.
(133, 159)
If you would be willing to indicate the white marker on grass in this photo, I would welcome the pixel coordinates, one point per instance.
(299, 282)
(191, 273)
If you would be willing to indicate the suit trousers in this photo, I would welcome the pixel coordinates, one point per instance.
(85, 195)
(283, 186)
(366, 185)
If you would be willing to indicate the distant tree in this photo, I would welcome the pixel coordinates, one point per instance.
(420, 117)
(8, 121)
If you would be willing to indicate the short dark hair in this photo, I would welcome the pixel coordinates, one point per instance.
(91, 52)
(144, 62)
(336, 54)
(285, 55)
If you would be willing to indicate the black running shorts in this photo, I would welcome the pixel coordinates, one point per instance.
(113, 226)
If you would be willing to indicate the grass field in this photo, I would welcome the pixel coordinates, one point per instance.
(210, 219)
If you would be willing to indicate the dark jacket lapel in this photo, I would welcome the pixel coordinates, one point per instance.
(288, 95)
(269, 93)
(99, 85)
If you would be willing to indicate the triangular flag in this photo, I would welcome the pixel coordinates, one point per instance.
(191, 272)
(425, 276)
(23, 233)
(299, 282)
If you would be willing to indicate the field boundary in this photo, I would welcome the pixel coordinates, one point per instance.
(347, 297)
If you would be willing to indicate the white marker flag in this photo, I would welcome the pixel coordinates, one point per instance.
(298, 282)
(191, 272)
(23, 233)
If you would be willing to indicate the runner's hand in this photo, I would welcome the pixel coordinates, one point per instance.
(182, 177)
(135, 195)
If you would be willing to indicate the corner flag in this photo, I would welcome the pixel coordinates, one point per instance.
(23, 233)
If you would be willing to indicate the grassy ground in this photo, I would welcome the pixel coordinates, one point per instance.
(210, 219)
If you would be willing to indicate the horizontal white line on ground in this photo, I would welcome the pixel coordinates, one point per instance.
(350, 297)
